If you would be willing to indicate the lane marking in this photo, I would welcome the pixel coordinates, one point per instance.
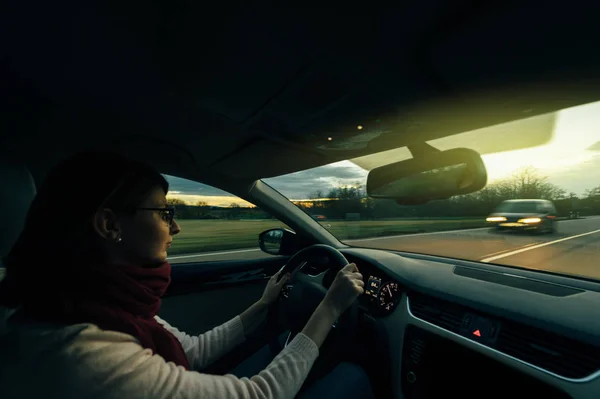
(415, 235)
(203, 254)
(449, 231)
(518, 251)
(510, 249)
(213, 253)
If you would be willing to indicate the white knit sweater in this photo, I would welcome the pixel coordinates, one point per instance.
(82, 361)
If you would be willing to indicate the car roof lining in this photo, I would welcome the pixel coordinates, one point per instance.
(258, 112)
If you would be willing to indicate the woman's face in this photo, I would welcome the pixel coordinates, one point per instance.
(146, 236)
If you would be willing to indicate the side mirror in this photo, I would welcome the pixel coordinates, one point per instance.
(435, 175)
(278, 241)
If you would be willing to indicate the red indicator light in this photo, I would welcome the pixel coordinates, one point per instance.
(477, 333)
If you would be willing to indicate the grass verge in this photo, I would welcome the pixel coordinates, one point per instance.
(214, 235)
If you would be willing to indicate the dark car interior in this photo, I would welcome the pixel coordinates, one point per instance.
(231, 96)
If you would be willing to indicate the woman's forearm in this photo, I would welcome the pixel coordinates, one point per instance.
(319, 325)
(254, 316)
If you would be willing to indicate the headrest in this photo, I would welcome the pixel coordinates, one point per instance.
(17, 190)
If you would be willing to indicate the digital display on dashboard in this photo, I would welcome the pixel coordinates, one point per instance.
(372, 287)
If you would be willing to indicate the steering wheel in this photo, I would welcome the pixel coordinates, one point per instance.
(303, 293)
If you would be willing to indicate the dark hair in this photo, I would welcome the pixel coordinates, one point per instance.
(58, 232)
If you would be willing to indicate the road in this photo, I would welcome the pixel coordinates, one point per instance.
(574, 249)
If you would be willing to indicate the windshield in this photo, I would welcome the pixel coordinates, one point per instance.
(517, 207)
(565, 171)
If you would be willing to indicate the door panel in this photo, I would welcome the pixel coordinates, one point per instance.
(198, 312)
(204, 295)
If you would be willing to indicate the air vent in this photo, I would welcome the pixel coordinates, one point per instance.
(440, 313)
(552, 352)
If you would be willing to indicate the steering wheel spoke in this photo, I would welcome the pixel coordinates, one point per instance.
(303, 293)
(308, 279)
(285, 291)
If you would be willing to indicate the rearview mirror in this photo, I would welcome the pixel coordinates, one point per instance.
(435, 175)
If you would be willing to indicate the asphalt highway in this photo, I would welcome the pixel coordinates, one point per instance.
(574, 249)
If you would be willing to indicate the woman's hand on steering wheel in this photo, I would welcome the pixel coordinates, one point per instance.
(346, 287)
(271, 292)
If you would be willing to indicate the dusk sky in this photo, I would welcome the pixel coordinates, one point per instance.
(571, 160)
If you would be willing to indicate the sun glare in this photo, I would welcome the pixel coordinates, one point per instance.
(576, 130)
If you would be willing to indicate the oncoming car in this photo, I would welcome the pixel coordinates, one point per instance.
(535, 215)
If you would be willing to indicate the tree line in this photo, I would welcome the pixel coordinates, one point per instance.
(340, 202)
(525, 183)
(202, 211)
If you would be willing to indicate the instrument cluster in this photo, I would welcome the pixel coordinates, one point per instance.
(381, 295)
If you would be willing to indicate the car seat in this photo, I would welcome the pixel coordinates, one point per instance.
(16, 194)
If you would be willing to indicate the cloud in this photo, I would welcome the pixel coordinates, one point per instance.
(211, 200)
(301, 185)
(192, 192)
(594, 147)
(181, 186)
(579, 177)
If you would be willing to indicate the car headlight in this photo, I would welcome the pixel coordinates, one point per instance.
(530, 220)
(496, 219)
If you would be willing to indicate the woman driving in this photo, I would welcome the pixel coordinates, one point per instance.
(86, 277)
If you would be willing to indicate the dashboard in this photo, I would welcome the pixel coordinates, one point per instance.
(539, 331)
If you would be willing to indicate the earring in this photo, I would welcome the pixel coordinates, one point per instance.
(119, 239)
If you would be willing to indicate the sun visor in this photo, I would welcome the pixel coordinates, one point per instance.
(524, 133)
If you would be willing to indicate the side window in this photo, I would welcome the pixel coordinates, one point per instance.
(215, 225)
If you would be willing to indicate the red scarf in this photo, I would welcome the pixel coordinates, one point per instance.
(117, 298)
